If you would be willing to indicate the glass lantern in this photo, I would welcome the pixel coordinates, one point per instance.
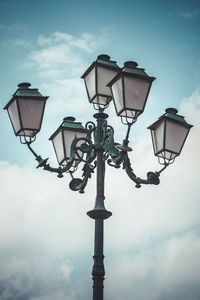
(26, 109)
(130, 89)
(63, 138)
(96, 78)
(169, 134)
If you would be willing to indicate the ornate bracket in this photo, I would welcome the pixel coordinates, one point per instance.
(152, 177)
(114, 153)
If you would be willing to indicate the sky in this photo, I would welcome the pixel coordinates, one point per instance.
(152, 240)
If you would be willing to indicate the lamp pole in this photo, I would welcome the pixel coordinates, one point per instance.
(99, 213)
(94, 145)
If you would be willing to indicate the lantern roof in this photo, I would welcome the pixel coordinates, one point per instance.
(70, 124)
(25, 92)
(104, 61)
(171, 114)
(130, 69)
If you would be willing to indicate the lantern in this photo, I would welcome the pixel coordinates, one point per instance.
(96, 78)
(26, 109)
(63, 138)
(130, 89)
(169, 134)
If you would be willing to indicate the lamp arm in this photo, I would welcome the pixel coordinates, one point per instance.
(165, 166)
(43, 163)
(152, 178)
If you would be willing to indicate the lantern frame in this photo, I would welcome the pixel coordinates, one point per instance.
(25, 93)
(172, 116)
(102, 61)
(130, 70)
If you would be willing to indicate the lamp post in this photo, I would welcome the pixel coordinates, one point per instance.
(94, 144)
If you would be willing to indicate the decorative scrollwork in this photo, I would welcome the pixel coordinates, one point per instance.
(77, 184)
(109, 144)
(104, 127)
(90, 128)
(81, 149)
(115, 165)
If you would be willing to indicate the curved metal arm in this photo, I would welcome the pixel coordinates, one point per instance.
(43, 163)
(152, 177)
(85, 148)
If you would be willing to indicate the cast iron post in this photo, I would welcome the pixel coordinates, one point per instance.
(99, 213)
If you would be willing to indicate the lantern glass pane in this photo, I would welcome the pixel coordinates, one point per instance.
(136, 91)
(103, 100)
(129, 113)
(175, 136)
(118, 95)
(158, 137)
(104, 76)
(58, 146)
(31, 112)
(14, 116)
(90, 83)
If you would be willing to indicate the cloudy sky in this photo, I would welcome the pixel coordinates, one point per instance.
(152, 241)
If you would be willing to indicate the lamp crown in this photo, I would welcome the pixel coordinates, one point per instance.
(130, 64)
(170, 110)
(69, 119)
(23, 85)
(104, 57)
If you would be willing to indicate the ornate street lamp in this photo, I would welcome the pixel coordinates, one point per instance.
(26, 109)
(130, 89)
(169, 134)
(94, 145)
(63, 138)
(96, 78)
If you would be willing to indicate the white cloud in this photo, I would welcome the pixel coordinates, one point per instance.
(191, 107)
(86, 42)
(170, 270)
(59, 60)
(63, 54)
(22, 43)
(190, 14)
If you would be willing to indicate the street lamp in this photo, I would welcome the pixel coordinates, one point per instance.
(25, 110)
(94, 144)
(63, 138)
(96, 78)
(130, 89)
(168, 135)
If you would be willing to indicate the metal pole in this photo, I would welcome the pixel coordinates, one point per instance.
(99, 213)
(98, 271)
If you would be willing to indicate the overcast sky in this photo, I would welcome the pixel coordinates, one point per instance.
(152, 241)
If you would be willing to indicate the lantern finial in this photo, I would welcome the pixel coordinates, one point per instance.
(131, 64)
(69, 119)
(24, 85)
(104, 57)
(171, 110)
